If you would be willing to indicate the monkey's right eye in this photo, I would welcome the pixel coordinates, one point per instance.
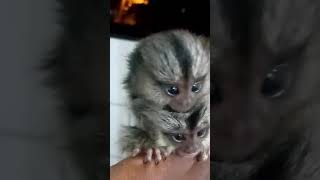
(276, 81)
(196, 87)
(172, 90)
(178, 137)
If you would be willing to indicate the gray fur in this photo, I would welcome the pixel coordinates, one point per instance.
(255, 37)
(156, 58)
(169, 56)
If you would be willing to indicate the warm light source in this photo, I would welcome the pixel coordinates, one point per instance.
(126, 4)
(123, 16)
(140, 1)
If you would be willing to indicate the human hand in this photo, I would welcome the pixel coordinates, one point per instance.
(173, 168)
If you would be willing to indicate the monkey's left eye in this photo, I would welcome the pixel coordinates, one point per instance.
(171, 90)
(178, 137)
(196, 87)
(202, 133)
(276, 81)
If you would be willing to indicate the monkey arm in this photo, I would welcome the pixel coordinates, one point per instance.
(134, 137)
(172, 169)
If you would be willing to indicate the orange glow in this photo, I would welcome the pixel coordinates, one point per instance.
(123, 16)
(140, 1)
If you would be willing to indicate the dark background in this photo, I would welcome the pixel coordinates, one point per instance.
(35, 131)
(161, 15)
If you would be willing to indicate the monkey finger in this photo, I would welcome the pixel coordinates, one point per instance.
(164, 156)
(158, 157)
(204, 155)
(165, 152)
(148, 156)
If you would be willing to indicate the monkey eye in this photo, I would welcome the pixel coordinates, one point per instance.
(276, 82)
(196, 87)
(178, 137)
(202, 133)
(171, 90)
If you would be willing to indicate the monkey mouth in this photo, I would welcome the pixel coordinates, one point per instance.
(170, 109)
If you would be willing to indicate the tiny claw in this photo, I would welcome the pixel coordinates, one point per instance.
(165, 152)
(203, 156)
(145, 161)
(157, 154)
(148, 156)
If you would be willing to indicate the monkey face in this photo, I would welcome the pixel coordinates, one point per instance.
(260, 101)
(170, 69)
(187, 133)
(189, 142)
(182, 96)
(264, 78)
(250, 106)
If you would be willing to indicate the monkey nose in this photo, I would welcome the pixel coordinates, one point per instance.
(184, 106)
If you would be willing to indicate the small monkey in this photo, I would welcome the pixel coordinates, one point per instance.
(266, 99)
(168, 85)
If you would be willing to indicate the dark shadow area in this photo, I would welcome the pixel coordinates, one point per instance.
(134, 19)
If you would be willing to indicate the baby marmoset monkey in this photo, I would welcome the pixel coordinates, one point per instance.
(169, 91)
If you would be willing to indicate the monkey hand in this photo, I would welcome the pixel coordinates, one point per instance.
(153, 153)
(204, 154)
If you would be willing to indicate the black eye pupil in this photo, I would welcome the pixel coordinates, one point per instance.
(201, 133)
(173, 90)
(276, 82)
(196, 87)
(178, 137)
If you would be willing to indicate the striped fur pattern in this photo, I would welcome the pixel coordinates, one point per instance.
(170, 56)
